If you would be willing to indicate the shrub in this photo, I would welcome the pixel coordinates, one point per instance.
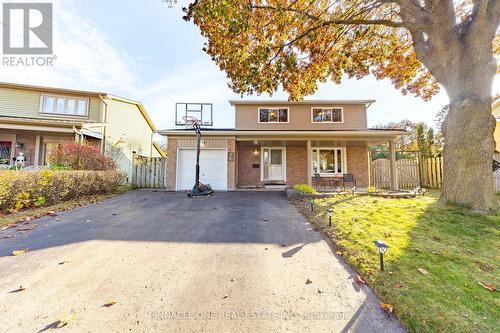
(80, 157)
(24, 189)
(304, 188)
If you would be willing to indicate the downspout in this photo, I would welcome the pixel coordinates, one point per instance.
(104, 118)
(78, 134)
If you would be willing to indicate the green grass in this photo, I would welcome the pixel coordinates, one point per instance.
(37, 212)
(458, 248)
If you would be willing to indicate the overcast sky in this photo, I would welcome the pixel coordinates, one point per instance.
(143, 50)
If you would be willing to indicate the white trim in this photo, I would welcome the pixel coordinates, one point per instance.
(344, 160)
(274, 122)
(327, 108)
(283, 162)
(37, 128)
(66, 98)
(177, 159)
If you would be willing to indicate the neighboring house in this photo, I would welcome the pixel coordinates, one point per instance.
(34, 120)
(496, 114)
(278, 143)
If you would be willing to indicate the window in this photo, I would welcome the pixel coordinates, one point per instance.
(273, 115)
(65, 106)
(327, 115)
(328, 161)
(5, 152)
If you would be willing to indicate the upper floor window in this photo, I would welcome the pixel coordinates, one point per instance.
(327, 115)
(71, 106)
(273, 115)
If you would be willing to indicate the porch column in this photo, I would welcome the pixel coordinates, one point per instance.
(36, 160)
(309, 163)
(394, 174)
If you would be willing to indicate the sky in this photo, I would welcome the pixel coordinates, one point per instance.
(143, 50)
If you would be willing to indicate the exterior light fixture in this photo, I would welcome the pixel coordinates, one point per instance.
(256, 152)
(382, 248)
(202, 143)
(329, 212)
(19, 145)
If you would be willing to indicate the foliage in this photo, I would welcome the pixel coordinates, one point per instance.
(304, 188)
(266, 45)
(80, 157)
(24, 189)
(458, 249)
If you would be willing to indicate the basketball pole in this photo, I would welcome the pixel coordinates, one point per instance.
(197, 129)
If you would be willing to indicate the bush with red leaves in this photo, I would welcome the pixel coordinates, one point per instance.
(81, 157)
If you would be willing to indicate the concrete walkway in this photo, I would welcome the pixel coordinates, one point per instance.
(234, 262)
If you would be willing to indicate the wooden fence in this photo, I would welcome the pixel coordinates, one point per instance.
(431, 171)
(149, 172)
(407, 170)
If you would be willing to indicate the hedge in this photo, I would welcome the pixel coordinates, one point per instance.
(24, 189)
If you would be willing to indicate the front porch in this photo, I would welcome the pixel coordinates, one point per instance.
(318, 163)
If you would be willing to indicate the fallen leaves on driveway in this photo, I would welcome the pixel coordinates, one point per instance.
(64, 262)
(65, 320)
(21, 288)
(19, 252)
(109, 303)
(28, 228)
(308, 281)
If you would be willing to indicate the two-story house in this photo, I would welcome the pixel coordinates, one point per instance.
(34, 120)
(279, 142)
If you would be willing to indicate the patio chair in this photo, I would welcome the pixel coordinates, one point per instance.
(318, 180)
(348, 178)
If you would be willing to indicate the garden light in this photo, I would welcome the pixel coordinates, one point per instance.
(329, 211)
(382, 248)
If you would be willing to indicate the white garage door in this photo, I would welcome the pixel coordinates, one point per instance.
(213, 168)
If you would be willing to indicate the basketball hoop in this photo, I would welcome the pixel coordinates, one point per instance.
(190, 122)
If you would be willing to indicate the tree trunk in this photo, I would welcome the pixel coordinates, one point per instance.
(468, 155)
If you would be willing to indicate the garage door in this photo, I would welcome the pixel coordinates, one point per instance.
(213, 168)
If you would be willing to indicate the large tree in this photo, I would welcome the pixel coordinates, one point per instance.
(265, 44)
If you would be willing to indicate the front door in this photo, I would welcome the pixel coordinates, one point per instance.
(273, 164)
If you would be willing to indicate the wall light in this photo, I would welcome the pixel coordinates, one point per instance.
(19, 145)
(256, 151)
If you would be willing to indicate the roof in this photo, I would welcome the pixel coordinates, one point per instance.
(81, 93)
(50, 89)
(366, 102)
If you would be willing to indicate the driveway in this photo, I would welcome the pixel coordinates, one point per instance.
(233, 262)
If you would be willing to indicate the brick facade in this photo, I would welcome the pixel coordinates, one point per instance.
(357, 164)
(247, 174)
(296, 165)
(29, 144)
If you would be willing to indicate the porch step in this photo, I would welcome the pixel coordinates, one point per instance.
(277, 187)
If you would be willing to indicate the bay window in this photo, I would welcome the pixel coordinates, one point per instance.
(70, 106)
(329, 161)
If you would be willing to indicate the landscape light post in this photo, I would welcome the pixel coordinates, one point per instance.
(382, 248)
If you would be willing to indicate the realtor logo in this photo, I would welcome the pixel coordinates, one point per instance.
(27, 28)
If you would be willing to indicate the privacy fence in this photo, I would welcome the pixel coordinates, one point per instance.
(421, 171)
(149, 172)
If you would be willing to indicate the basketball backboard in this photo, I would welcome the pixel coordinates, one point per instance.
(201, 111)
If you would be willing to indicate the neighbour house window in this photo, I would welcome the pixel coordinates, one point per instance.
(273, 115)
(5, 152)
(65, 105)
(327, 115)
(328, 161)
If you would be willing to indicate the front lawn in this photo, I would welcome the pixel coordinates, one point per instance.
(457, 248)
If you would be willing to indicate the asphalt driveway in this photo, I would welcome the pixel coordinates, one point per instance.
(234, 262)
